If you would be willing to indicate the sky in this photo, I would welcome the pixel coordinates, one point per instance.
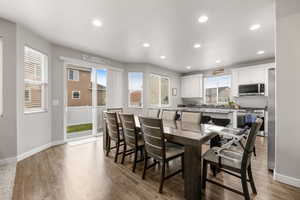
(101, 76)
(135, 80)
(217, 81)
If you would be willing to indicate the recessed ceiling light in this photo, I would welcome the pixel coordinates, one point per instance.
(97, 23)
(146, 44)
(260, 52)
(218, 61)
(162, 57)
(254, 27)
(196, 46)
(188, 67)
(203, 19)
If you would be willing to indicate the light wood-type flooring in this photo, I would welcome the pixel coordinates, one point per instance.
(82, 172)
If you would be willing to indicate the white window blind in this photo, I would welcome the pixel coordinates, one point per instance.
(159, 90)
(114, 88)
(1, 77)
(35, 80)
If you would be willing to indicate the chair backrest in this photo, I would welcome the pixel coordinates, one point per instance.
(191, 117)
(168, 114)
(129, 129)
(116, 110)
(113, 125)
(248, 150)
(152, 129)
(220, 121)
(154, 113)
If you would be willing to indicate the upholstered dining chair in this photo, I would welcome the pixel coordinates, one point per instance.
(133, 139)
(115, 134)
(154, 113)
(158, 148)
(234, 163)
(168, 114)
(191, 117)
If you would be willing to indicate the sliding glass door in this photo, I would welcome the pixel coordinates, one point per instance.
(85, 100)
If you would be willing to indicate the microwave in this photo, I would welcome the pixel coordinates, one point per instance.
(257, 89)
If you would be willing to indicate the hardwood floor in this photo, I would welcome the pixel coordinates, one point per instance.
(83, 172)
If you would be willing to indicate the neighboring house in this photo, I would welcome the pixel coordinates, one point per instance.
(80, 89)
(79, 83)
(135, 98)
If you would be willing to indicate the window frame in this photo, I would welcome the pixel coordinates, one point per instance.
(217, 88)
(73, 95)
(160, 105)
(43, 82)
(73, 70)
(142, 91)
(1, 76)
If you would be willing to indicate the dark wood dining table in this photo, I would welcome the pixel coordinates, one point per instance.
(192, 136)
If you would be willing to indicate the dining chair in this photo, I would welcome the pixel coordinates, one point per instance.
(133, 139)
(168, 114)
(154, 113)
(191, 117)
(234, 163)
(158, 148)
(115, 134)
(116, 110)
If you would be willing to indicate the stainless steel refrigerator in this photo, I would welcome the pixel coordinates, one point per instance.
(271, 119)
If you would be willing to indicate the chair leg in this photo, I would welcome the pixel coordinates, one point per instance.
(245, 184)
(124, 153)
(182, 165)
(145, 165)
(108, 146)
(162, 177)
(117, 151)
(204, 174)
(251, 180)
(135, 159)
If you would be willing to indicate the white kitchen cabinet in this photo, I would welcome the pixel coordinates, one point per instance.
(191, 86)
(249, 75)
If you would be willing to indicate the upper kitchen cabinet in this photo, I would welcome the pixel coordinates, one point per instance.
(191, 86)
(249, 75)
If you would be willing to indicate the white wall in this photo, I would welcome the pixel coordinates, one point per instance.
(8, 130)
(287, 160)
(34, 130)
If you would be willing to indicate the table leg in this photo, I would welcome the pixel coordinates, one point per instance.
(192, 172)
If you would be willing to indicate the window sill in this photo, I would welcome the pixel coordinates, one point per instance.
(35, 112)
(137, 107)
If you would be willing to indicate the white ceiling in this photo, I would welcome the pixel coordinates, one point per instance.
(170, 26)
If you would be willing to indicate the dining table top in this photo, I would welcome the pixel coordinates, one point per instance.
(187, 133)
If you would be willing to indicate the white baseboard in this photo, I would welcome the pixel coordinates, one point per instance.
(59, 142)
(286, 179)
(33, 151)
(8, 161)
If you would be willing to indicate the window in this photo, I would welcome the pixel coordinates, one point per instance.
(35, 80)
(101, 77)
(217, 89)
(159, 89)
(27, 96)
(1, 77)
(135, 87)
(73, 75)
(75, 94)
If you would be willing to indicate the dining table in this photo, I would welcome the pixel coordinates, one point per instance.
(191, 136)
